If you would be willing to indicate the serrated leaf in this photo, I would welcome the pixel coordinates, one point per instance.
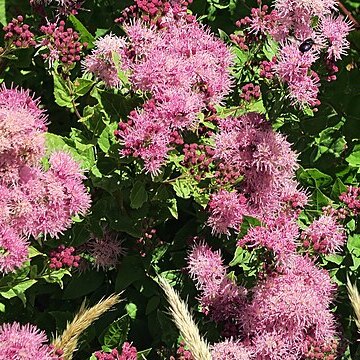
(116, 334)
(354, 158)
(82, 86)
(138, 195)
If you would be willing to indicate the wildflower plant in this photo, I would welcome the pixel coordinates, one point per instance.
(210, 144)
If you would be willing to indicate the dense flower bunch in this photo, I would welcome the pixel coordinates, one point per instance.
(221, 298)
(351, 198)
(181, 65)
(324, 235)
(25, 342)
(33, 201)
(154, 10)
(63, 257)
(18, 34)
(265, 159)
(62, 44)
(301, 43)
(287, 312)
(128, 352)
(106, 251)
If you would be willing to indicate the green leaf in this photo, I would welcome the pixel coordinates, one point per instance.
(152, 304)
(34, 252)
(82, 86)
(131, 270)
(138, 195)
(18, 290)
(338, 188)
(2, 307)
(183, 188)
(3, 20)
(314, 178)
(83, 284)
(172, 206)
(116, 334)
(121, 74)
(320, 199)
(131, 310)
(62, 92)
(85, 35)
(354, 158)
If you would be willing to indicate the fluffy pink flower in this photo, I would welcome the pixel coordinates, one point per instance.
(293, 68)
(278, 235)
(15, 98)
(13, 251)
(222, 298)
(226, 211)
(23, 342)
(101, 60)
(55, 196)
(128, 352)
(21, 139)
(288, 306)
(325, 235)
(249, 144)
(351, 197)
(231, 350)
(206, 266)
(335, 30)
(106, 251)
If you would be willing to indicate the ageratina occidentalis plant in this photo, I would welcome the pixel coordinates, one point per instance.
(35, 202)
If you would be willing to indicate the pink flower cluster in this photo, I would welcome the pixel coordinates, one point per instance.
(63, 257)
(226, 211)
(32, 201)
(25, 342)
(128, 352)
(62, 43)
(352, 199)
(324, 235)
(18, 34)
(287, 312)
(264, 157)
(277, 235)
(153, 11)
(221, 298)
(182, 65)
(291, 23)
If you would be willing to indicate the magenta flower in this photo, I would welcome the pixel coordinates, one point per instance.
(13, 251)
(265, 158)
(101, 60)
(226, 211)
(221, 297)
(23, 342)
(335, 30)
(287, 307)
(231, 350)
(324, 235)
(278, 235)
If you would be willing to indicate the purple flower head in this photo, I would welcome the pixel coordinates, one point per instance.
(335, 30)
(226, 211)
(106, 250)
(101, 60)
(324, 235)
(13, 251)
(231, 350)
(23, 342)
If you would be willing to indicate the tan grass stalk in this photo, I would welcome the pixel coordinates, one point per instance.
(83, 319)
(185, 323)
(354, 297)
